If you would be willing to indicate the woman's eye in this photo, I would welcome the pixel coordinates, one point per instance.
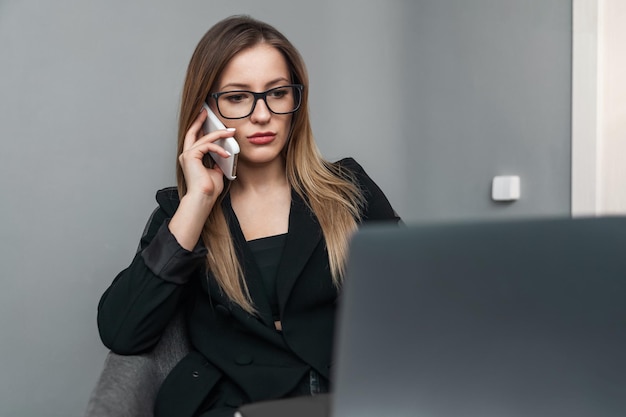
(279, 93)
(236, 98)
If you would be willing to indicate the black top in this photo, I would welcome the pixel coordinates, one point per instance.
(267, 253)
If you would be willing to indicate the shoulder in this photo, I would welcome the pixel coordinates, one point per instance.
(349, 164)
(350, 169)
(168, 200)
(377, 206)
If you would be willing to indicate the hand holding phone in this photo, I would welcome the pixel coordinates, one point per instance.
(227, 165)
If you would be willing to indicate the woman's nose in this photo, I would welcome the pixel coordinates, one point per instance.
(261, 113)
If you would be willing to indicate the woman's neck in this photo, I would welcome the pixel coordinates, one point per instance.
(261, 200)
(257, 177)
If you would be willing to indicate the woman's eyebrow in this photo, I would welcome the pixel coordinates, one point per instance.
(243, 86)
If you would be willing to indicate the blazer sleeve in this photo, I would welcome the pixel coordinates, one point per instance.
(143, 298)
(377, 207)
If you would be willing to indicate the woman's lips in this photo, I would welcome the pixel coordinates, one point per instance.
(262, 138)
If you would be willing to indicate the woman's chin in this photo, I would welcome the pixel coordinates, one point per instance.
(260, 157)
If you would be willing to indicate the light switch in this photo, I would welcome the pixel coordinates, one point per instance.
(505, 188)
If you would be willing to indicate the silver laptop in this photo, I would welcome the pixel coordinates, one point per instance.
(503, 319)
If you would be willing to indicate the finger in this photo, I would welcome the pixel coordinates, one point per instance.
(205, 147)
(200, 151)
(213, 138)
(218, 134)
(192, 134)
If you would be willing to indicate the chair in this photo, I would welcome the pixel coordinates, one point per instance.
(128, 385)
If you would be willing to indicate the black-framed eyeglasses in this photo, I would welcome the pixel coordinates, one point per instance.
(238, 104)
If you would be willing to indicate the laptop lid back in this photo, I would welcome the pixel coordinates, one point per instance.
(522, 318)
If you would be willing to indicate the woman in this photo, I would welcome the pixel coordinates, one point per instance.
(255, 263)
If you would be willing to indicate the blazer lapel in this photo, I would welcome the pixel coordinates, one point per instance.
(251, 272)
(303, 237)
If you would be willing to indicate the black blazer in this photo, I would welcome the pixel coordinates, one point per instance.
(237, 357)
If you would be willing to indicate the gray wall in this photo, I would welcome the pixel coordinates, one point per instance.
(489, 93)
(434, 98)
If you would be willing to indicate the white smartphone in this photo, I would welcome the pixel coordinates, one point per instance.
(228, 165)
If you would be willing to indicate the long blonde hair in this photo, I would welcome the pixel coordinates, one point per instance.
(330, 192)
